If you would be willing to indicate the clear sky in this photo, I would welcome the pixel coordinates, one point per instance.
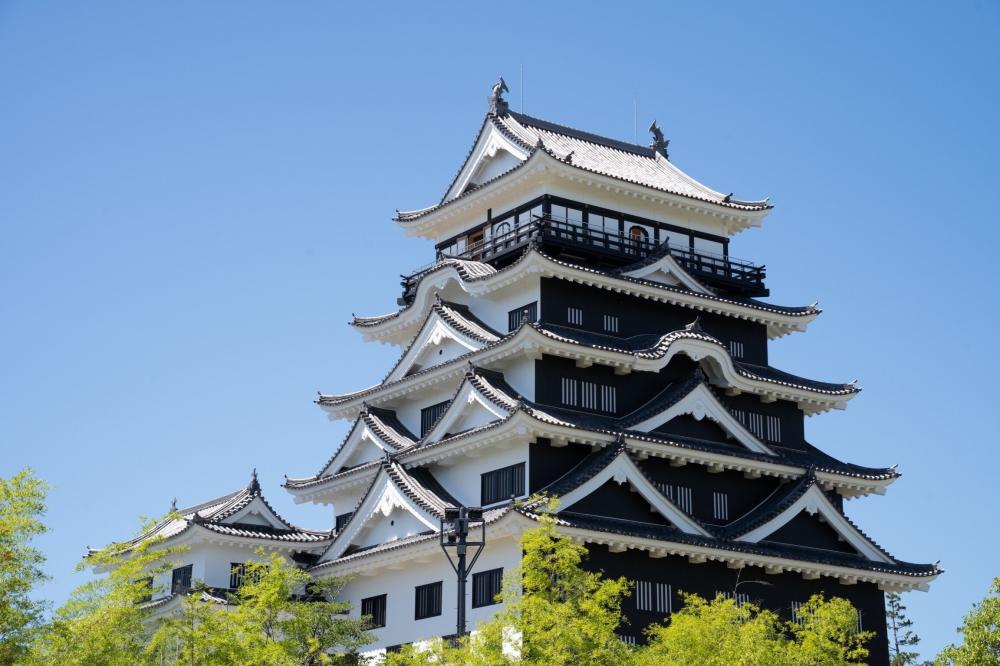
(194, 197)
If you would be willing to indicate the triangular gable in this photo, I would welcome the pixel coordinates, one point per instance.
(814, 502)
(622, 470)
(701, 403)
(256, 512)
(469, 409)
(493, 154)
(386, 513)
(363, 444)
(666, 270)
(437, 342)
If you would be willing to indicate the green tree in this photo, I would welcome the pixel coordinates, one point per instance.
(22, 503)
(102, 623)
(901, 636)
(826, 634)
(278, 617)
(554, 613)
(980, 634)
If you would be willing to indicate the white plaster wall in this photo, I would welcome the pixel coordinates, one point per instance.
(383, 529)
(461, 478)
(520, 373)
(399, 585)
(494, 307)
(446, 350)
(210, 565)
(408, 410)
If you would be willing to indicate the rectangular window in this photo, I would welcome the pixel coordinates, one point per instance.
(568, 392)
(739, 597)
(502, 484)
(752, 421)
(147, 584)
(374, 607)
(430, 415)
(627, 639)
(237, 575)
(486, 587)
(522, 314)
(736, 349)
(342, 520)
(679, 495)
(611, 323)
(427, 600)
(574, 316)
(180, 580)
(588, 395)
(797, 616)
(653, 597)
(720, 506)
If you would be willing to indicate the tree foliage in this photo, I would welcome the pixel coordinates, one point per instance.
(278, 617)
(102, 623)
(901, 636)
(980, 634)
(22, 503)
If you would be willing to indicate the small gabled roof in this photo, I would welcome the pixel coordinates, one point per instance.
(223, 515)
(524, 137)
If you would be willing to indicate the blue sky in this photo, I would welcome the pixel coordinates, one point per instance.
(194, 197)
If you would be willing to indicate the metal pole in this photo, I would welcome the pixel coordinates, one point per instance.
(455, 534)
(462, 575)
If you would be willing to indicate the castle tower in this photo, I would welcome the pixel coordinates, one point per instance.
(584, 331)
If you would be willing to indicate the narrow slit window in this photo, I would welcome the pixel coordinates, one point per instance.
(611, 323)
(574, 316)
(720, 506)
(736, 348)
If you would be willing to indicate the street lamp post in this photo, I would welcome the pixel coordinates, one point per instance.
(456, 525)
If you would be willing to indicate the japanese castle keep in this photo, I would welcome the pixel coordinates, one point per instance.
(584, 332)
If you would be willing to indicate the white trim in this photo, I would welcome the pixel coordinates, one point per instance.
(435, 330)
(668, 271)
(468, 398)
(701, 403)
(489, 142)
(258, 506)
(813, 501)
(622, 469)
(397, 330)
(383, 497)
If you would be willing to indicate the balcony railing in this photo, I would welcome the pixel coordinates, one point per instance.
(617, 248)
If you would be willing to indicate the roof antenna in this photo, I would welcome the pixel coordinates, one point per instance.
(521, 76)
(635, 121)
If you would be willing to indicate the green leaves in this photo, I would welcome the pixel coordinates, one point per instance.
(22, 503)
(980, 632)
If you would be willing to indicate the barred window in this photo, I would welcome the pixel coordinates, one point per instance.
(739, 597)
(720, 506)
(682, 496)
(430, 415)
(611, 323)
(237, 574)
(180, 580)
(574, 316)
(762, 427)
(342, 520)
(797, 615)
(736, 349)
(522, 314)
(486, 587)
(773, 428)
(502, 484)
(627, 639)
(653, 597)
(147, 587)
(427, 600)
(588, 395)
(374, 608)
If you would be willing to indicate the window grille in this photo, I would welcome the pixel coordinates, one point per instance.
(502, 484)
(342, 520)
(237, 574)
(486, 587)
(768, 428)
(798, 617)
(627, 639)
(739, 597)
(860, 627)
(522, 314)
(374, 607)
(588, 395)
(180, 580)
(427, 600)
(720, 506)
(679, 495)
(611, 323)
(653, 597)
(736, 349)
(773, 428)
(430, 415)
(574, 316)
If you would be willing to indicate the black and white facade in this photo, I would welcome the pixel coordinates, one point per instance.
(585, 332)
